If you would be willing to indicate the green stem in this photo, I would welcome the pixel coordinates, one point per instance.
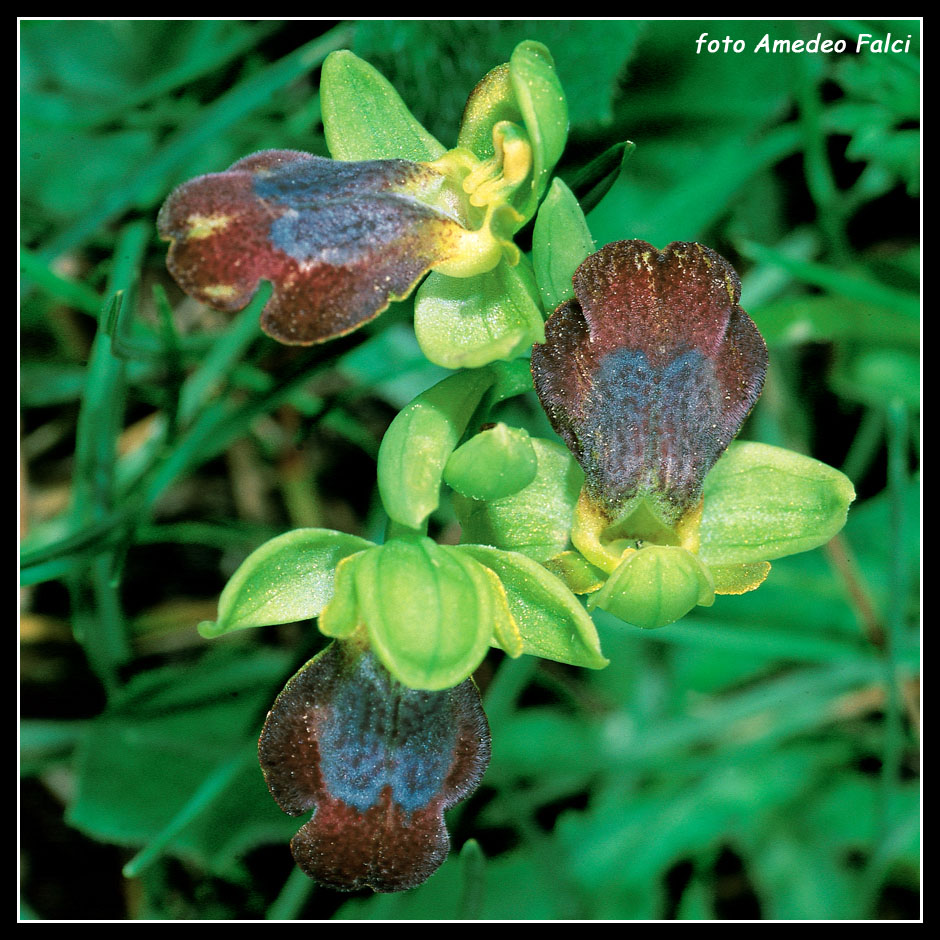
(819, 178)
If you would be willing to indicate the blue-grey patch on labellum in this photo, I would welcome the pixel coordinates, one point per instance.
(377, 762)
(649, 373)
(338, 241)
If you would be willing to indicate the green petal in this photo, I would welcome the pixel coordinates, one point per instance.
(491, 101)
(739, 579)
(541, 100)
(576, 572)
(764, 502)
(287, 579)
(506, 633)
(493, 464)
(340, 617)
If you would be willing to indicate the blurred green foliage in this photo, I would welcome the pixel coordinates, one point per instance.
(759, 759)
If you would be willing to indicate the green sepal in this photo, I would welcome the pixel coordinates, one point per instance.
(541, 100)
(561, 240)
(289, 578)
(655, 586)
(468, 322)
(535, 521)
(551, 620)
(427, 611)
(493, 464)
(364, 118)
(764, 502)
(419, 442)
(340, 618)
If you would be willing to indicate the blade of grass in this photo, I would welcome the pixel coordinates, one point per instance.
(853, 286)
(794, 703)
(472, 881)
(289, 903)
(97, 616)
(210, 53)
(831, 210)
(758, 641)
(74, 293)
(224, 354)
(895, 622)
(209, 791)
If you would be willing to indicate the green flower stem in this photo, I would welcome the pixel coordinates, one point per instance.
(399, 530)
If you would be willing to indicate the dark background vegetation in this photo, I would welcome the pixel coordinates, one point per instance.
(759, 759)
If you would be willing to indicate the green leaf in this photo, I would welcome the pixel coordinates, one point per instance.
(822, 318)
(493, 464)
(419, 442)
(561, 240)
(469, 321)
(535, 521)
(855, 285)
(592, 182)
(145, 758)
(764, 502)
(289, 578)
(427, 611)
(364, 118)
(541, 100)
(551, 620)
(655, 586)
